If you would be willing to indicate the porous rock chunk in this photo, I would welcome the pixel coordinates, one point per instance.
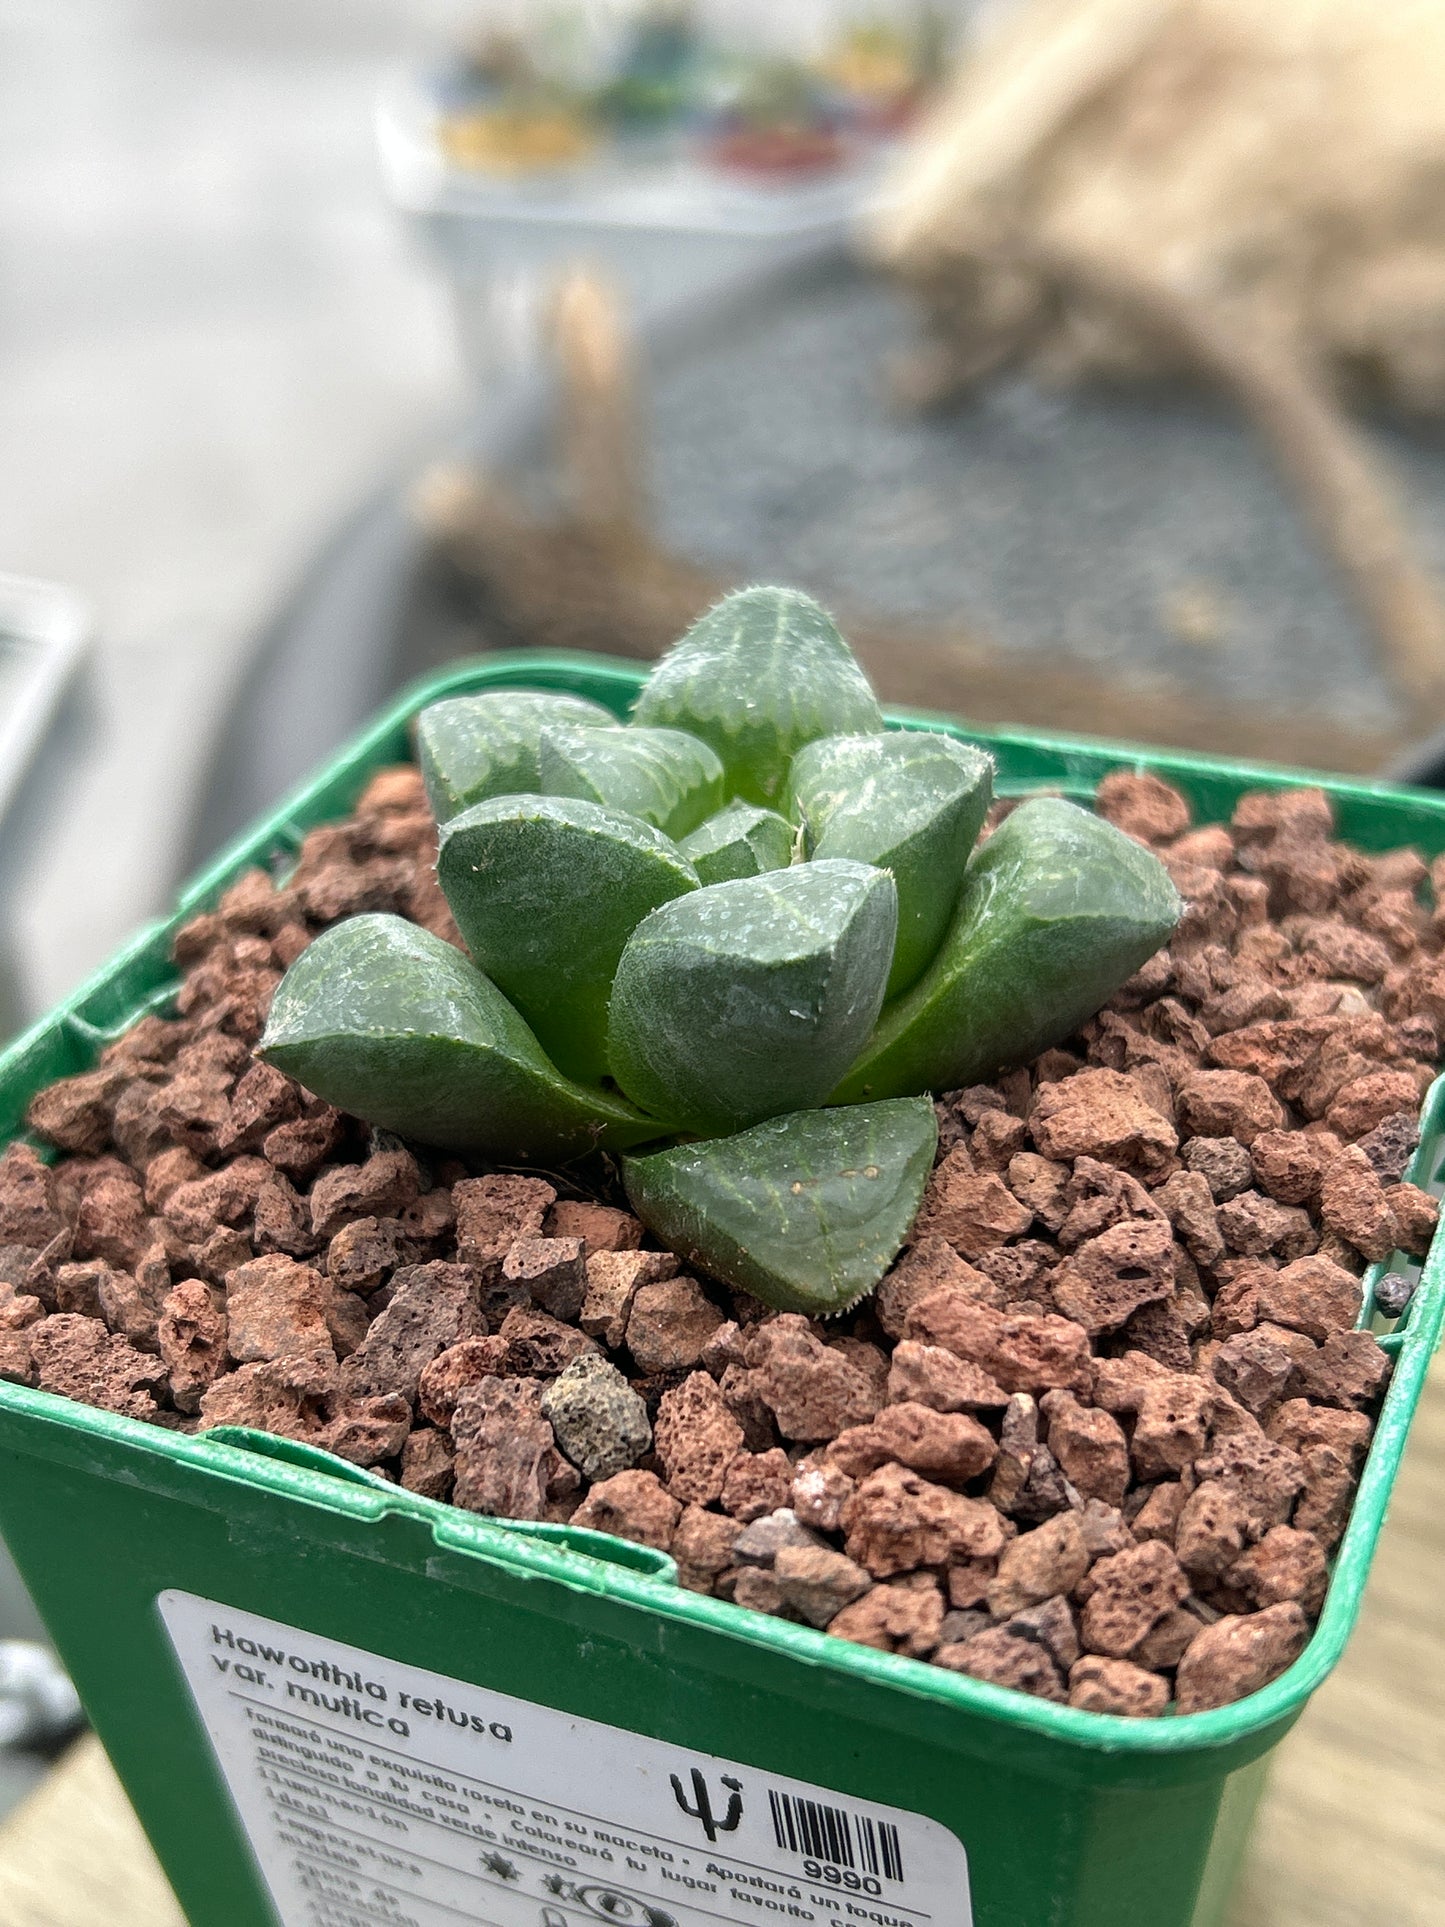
(1252, 1225)
(364, 1253)
(1228, 1104)
(1117, 1686)
(224, 1197)
(1171, 1426)
(896, 1521)
(1125, 1597)
(670, 1324)
(1286, 1564)
(191, 1335)
(759, 1543)
(1142, 805)
(502, 1446)
(1312, 1295)
(1041, 1185)
(263, 1098)
(1006, 1657)
(367, 1430)
(1268, 1476)
(1366, 1101)
(74, 1114)
(17, 1358)
(950, 1447)
(600, 1423)
(453, 1371)
(972, 1211)
(813, 1391)
(1416, 1216)
(1391, 1145)
(1258, 1367)
(277, 1308)
(1215, 1525)
(78, 1358)
(1039, 1565)
(1290, 1164)
(378, 1188)
(1109, 1277)
(1239, 1654)
(702, 1545)
(1354, 1205)
(1103, 1114)
(282, 1221)
(549, 1271)
(493, 1213)
(601, 1227)
(631, 1505)
(697, 1439)
(1189, 1202)
(1020, 1352)
(930, 1375)
(613, 1281)
(1089, 1446)
(930, 1264)
(902, 1616)
(820, 1490)
(1349, 1369)
(428, 1463)
(816, 1583)
(539, 1346)
(281, 1395)
(299, 1147)
(432, 1308)
(757, 1483)
(1224, 1164)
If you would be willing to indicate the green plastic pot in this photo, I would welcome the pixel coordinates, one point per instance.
(1032, 1815)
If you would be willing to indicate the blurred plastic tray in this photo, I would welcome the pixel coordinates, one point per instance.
(44, 633)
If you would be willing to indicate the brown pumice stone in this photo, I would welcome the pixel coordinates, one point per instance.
(1094, 1437)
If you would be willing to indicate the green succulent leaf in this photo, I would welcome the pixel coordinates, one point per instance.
(748, 999)
(546, 891)
(382, 1019)
(473, 747)
(807, 1212)
(664, 776)
(740, 841)
(1058, 908)
(911, 802)
(759, 675)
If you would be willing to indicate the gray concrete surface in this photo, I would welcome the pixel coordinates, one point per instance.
(213, 336)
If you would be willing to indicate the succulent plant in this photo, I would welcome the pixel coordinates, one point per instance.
(740, 941)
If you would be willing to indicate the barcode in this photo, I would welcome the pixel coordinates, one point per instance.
(828, 1833)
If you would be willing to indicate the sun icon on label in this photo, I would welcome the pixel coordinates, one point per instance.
(501, 1866)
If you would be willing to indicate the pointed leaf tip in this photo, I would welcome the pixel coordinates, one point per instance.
(759, 675)
(386, 1021)
(807, 1212)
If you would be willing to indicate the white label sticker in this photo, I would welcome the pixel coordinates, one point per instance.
(378, 1795)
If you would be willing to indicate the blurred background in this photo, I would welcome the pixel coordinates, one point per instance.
(1087, 356)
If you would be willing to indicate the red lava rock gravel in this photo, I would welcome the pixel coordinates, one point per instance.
(1095, 1438)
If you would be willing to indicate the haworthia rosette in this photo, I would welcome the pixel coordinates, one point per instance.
(1058, 908)
(912, 802)
(664, 776)
(759, 675)
(741, 841)
(382, 1019)
(807, 1211)
(546, 890)
(747, 999)
(474, 747)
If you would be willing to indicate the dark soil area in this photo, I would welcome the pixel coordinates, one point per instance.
(1098, 1433)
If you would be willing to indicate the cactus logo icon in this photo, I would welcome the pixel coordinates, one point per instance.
(701, 1806)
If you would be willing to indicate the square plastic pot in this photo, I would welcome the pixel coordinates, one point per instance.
(1038, 1815)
